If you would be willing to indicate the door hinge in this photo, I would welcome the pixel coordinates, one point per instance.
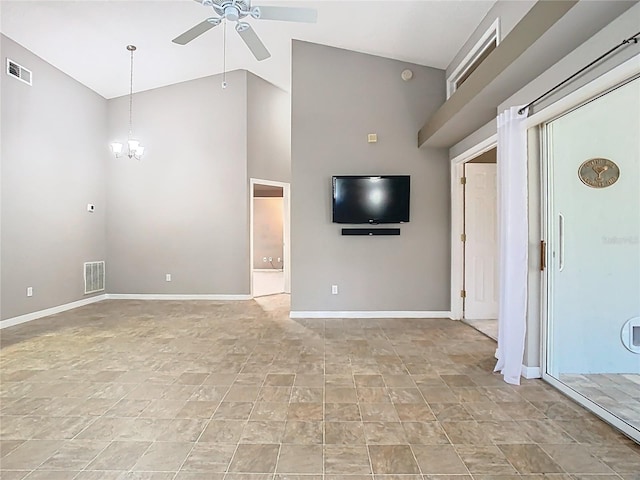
(463, 180)
(463, 237)
(543, 255)
(463, 293)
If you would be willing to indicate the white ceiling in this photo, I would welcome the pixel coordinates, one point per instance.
(86, 39)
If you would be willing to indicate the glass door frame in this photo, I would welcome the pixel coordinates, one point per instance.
(547, 228)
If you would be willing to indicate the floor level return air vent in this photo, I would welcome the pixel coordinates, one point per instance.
(93, 277)
(18, 71)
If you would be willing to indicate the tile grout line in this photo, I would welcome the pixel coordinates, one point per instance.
(366, 446)
(436, 421)
(324, 396)
(75, 438)
(209, 420)
(235, 451)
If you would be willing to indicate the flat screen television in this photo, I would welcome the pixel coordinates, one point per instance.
(371, 199)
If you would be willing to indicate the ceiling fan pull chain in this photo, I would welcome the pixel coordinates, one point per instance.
(224, 55)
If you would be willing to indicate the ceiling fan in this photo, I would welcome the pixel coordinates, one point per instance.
(235, 11)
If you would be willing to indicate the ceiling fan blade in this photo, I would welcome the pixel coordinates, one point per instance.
(196, 31)
(287, 14)
(252, 40)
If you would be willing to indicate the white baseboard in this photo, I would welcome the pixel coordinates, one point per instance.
(527, 372)
(531, 372)
(28, 317)
(157, 296)
(369, 314)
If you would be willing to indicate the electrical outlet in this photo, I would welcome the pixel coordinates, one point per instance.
(29, 291)
(167, 277)
(271, 259)
(279, 259)
(334, 289)
(264, 259)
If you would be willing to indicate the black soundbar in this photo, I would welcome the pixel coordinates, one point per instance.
(370, 231)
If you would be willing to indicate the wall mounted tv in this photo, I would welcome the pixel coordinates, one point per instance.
(371, 199)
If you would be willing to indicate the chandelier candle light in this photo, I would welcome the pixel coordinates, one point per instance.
(134, 149)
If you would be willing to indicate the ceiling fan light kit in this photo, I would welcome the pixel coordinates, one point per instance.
(235, 11)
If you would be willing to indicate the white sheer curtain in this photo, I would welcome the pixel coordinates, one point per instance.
(512, 242)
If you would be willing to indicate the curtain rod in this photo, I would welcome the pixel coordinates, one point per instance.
(631, 39)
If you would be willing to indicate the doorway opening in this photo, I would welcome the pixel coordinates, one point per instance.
(269, 229)
(474, 248)
(480, 244)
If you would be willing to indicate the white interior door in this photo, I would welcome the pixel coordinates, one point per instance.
(481, 246)
(594, 226)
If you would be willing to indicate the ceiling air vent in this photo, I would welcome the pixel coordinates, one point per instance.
(18, 71)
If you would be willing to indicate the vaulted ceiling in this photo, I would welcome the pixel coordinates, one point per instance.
(86, 39)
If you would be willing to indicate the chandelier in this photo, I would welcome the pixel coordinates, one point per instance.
(134, 149)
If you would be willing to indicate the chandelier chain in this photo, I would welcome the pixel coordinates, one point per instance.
(131, 98)
(133, 149)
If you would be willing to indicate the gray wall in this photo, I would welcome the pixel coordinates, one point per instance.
(480, 135)
(268, 131)
(338, 97)
(53, 165)
(182, 209)
(489, 156)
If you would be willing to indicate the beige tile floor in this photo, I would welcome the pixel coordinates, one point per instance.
(267, 282)
(489, 327)
(238, 391)
(617, 393)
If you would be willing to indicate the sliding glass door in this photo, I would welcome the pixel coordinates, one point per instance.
(593, 225)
